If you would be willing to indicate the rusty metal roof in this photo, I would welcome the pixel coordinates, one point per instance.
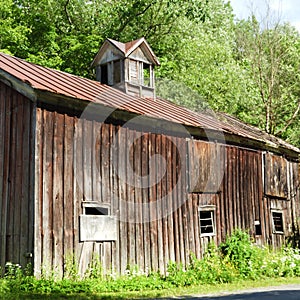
(61, 83)
(126, 49)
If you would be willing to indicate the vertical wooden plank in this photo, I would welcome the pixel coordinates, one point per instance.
(268, 225)
(226, 200)
(87, 160)
(26, 232)
(96, 157)
(230, 203)
(223, 198)
(6, 151)
(58, 196)
(250, 202)
(38, 190)
(11, 254)
(218, 219)
(242, 189)
(145, 201)
(176, 170)
(191, 224)
(195, 205)
(105, 148)
(260, 187)
(235, 202)
(164, 198)
(171, 151)
(246, 167)
(68, 185)
(78, 191)
(253, 194)
(115, 205)
(131, 200)
(181, 192)
(160, 245)
(4, 96)
(219, 215)
(47, 204)
(108, 246)
(237, 190)
(184, 208)
(21, 172)
(122, 165)
(153, 209)
(138, 201)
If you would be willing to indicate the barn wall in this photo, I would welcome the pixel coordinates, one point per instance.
(153, 184)
(244, 186)
(231, 179)
(79, 160)
(16, 174)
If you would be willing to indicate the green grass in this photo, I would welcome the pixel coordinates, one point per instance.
(205, 289)
(236, 264)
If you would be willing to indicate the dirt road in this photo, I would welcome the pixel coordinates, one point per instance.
(287, 292)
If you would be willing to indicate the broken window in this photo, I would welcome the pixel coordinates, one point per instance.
(277, 220)
(206, 218)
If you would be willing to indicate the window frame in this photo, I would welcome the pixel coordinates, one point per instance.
(274, 230)
(212, 210)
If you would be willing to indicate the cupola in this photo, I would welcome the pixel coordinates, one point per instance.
(127, 66)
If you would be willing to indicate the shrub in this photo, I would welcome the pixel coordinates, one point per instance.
(241, 252)
(237, 258)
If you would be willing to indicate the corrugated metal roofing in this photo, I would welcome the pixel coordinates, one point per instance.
(61, 83)
(126, 49)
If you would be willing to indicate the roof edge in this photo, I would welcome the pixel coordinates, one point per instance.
(138, 43)
(23, 88)
(231, 139)
(102, 48)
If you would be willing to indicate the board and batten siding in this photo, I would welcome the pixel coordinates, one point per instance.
(229, 178)
(16, 177)
(80, 160)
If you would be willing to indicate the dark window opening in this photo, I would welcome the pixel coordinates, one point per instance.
(96, 211)
(117, 71)
(258, 229)
(207, 226)
(104, 74)
(277, 219)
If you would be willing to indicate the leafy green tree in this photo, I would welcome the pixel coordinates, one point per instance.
(233, 67)
(13, 35)
(271, 56)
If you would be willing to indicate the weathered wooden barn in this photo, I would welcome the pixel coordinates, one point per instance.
(113, 172)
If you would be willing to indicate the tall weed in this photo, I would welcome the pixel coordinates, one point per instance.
(237, 258)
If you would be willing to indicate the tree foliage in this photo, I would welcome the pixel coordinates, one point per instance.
(234, 67)
(271, 56)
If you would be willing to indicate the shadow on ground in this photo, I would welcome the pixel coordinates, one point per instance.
(264, 295)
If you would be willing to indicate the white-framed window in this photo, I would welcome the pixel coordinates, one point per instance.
(277, 221)
(207, 220)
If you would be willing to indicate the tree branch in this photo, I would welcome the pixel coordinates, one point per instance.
(66, 11)
(288, 123)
